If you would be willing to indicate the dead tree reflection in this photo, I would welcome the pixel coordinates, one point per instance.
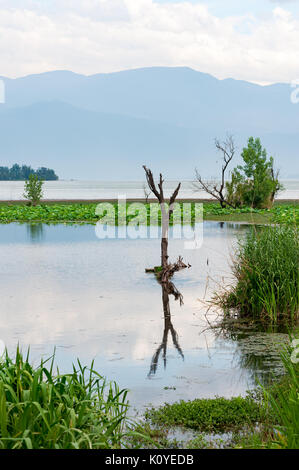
(168, 288)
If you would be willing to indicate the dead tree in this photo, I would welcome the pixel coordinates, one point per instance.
(166, 214)
(217, 191)
(277, 185)
(146, 193)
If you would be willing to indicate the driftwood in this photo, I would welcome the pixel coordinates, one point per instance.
(164, 274)
(170, 269)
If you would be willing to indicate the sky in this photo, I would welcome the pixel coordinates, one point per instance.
(253, 40)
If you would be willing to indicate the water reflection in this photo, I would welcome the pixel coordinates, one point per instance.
(91, 299)
(258, 350)
(35, 232)
(168, 288)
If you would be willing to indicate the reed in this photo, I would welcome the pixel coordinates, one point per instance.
(283, 400)
(40, 409)
(266, 276)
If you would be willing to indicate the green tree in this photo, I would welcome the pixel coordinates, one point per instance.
(33, 189)
(254, 183)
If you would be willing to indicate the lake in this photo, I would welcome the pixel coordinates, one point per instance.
(13, 190)
(62, 286)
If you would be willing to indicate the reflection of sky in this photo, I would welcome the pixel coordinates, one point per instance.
(257, 8)
(92, 299)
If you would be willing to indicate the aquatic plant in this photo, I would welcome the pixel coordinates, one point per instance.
(283, 400)
(86, 212)
(266, 273)
(209, 415)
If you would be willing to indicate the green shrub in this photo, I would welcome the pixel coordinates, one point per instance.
(33, 189)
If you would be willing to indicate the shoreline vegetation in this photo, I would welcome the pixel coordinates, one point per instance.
(40, 408)
(266, 277)
(85, 211)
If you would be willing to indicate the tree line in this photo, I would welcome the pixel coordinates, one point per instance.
(22, 173)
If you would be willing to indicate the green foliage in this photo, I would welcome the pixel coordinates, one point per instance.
(86, 212)
(209, 415)
(41, 410)
(33, 189)
(284, 403)
(266, 270)
(254, 184)
(21, 173)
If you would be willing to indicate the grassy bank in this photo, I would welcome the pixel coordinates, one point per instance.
(41, 409)
(86, 212)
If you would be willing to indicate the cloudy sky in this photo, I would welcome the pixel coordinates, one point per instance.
(254, 40)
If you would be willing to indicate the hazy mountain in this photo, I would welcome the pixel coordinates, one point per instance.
(105, 126)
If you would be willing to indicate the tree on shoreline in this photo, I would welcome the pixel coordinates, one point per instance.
(33, 189)
(217, 191)
(255, 183)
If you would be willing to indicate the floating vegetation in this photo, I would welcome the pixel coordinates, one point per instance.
(144, 213)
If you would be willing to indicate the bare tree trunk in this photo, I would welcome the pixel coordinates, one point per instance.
(166, 214)
(164, 238)
(228, 150)
(164, 252)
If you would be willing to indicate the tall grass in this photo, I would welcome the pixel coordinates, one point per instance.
(41, 410)
(284, 402)
(266, 272)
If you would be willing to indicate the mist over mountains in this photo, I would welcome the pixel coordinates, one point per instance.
(106, 126)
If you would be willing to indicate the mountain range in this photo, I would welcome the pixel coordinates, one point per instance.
(106, 126)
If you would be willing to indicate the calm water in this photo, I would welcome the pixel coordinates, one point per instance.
(61, 286)
(13, 190)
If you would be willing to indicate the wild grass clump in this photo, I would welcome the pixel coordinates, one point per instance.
(41, 410)
(266, 272)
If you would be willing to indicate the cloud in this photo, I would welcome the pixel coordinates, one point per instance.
(110, 35)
